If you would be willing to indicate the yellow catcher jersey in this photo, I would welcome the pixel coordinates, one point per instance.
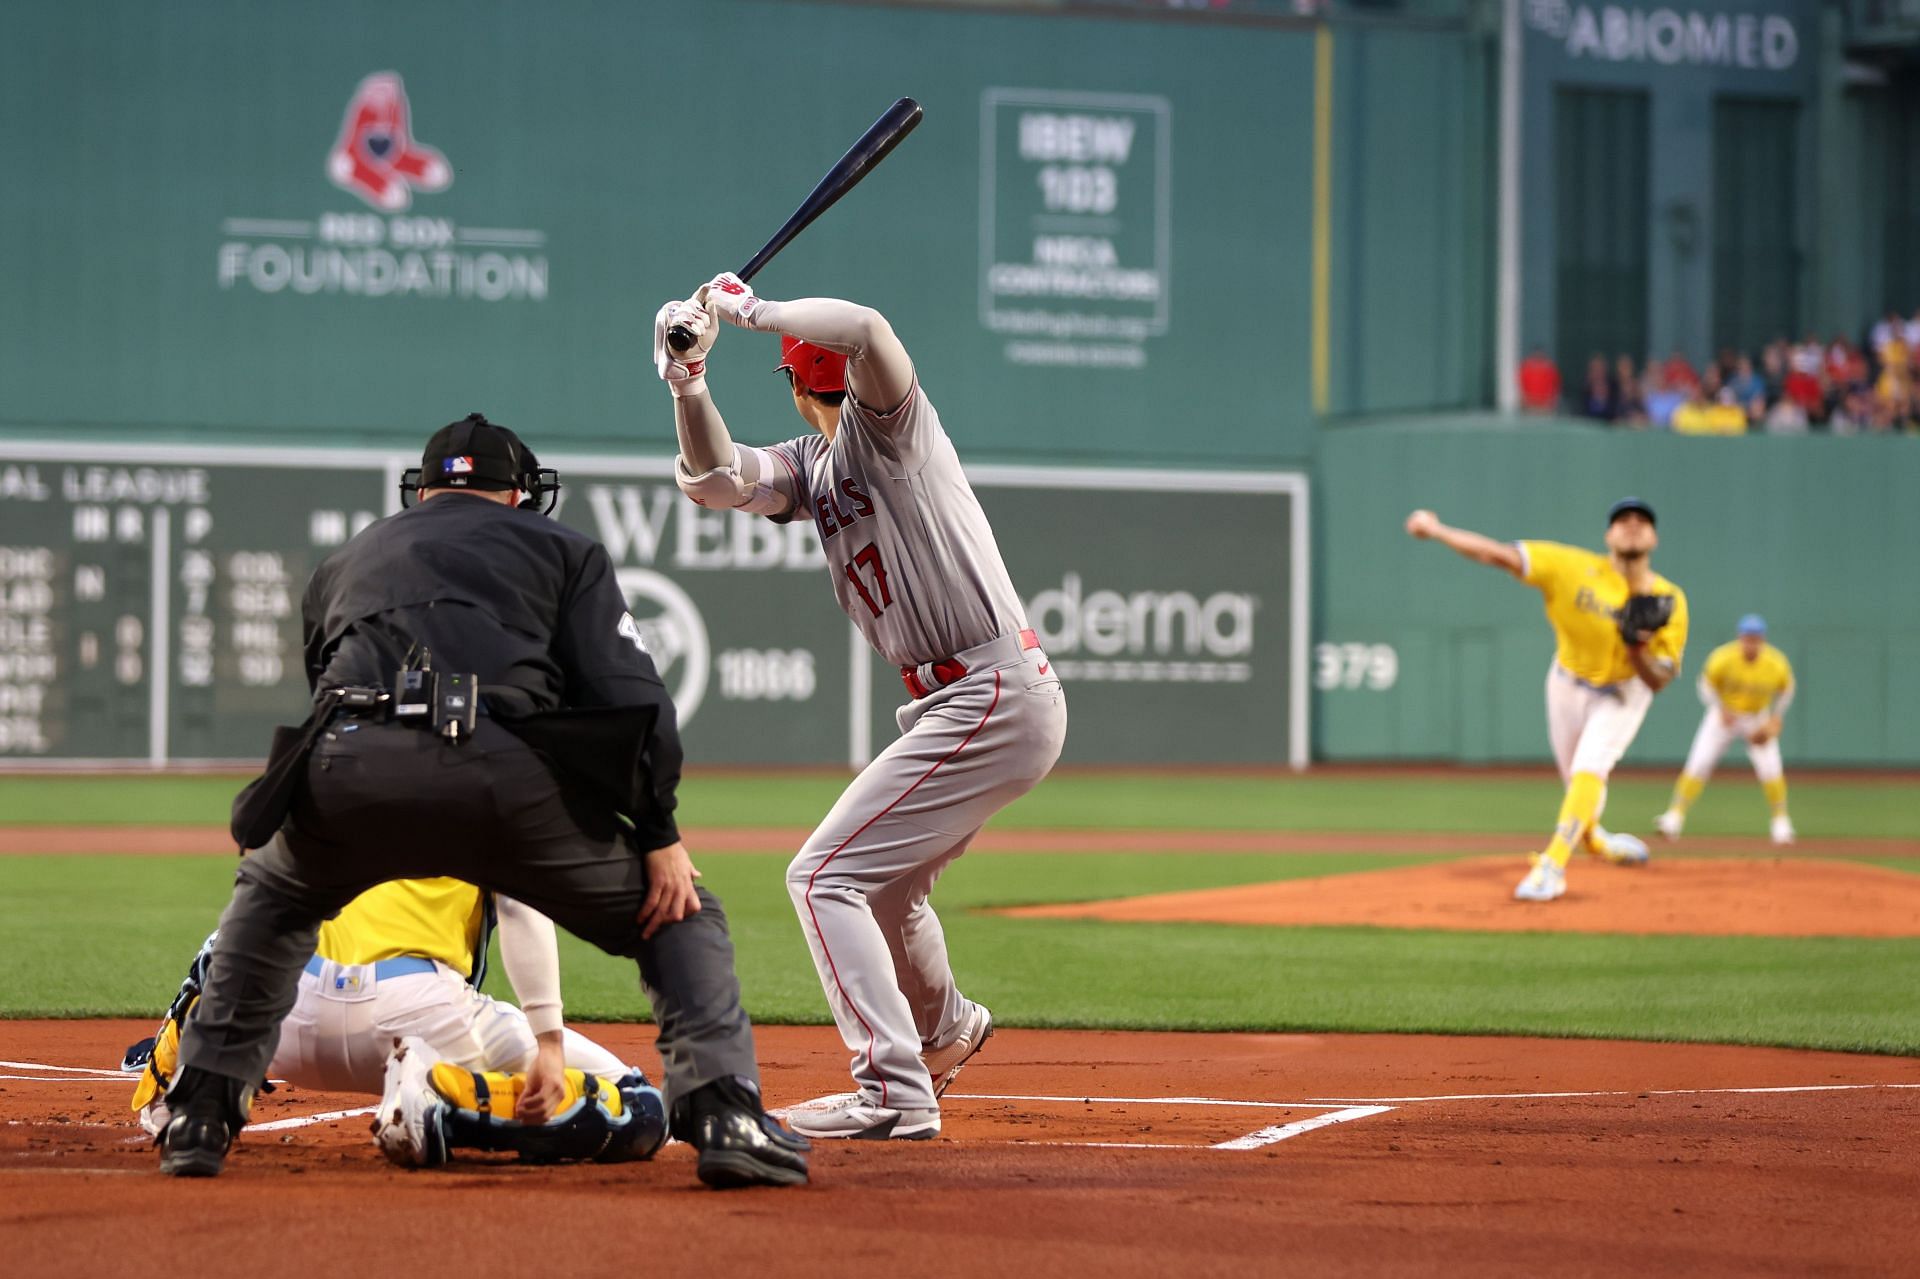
(1744, 687)
(1583, 595)
(443, 919)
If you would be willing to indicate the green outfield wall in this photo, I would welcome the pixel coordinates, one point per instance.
(1101, 244)
(1421, 654)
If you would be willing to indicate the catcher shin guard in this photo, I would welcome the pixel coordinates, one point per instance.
(605, 1120)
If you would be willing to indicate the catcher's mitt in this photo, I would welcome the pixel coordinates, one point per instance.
(1642, 615)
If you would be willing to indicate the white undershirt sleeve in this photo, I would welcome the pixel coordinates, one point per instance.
(530, 952)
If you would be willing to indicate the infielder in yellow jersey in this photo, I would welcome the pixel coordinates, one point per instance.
(1620, 630)
(402, 964)
(1747, 686)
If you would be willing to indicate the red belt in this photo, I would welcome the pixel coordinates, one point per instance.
(949, 669)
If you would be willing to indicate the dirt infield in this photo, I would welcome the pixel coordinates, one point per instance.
(1779, 897)
(1064, 1152)
(211, 840)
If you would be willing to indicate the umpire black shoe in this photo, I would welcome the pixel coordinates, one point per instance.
(208, 1111)
(739, 1144)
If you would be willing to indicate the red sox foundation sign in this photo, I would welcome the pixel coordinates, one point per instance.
(390, 252)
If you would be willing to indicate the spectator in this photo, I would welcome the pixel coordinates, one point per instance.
(1704, 415)
(1599, 399)
(1786, 417)
(1804, 389)
(1890, 327)
(1853, 414)
(1896, 369)
(1913, 332)
(1661, 399)
(1631, 407)
(1678, 372)
(1808, 357)
(1746, 386)
(1539, 383)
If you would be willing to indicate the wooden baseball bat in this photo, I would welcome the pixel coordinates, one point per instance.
(882, 136)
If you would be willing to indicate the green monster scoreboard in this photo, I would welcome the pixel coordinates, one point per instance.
(150, 604)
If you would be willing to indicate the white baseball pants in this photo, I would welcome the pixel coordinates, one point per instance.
(1711, 739)
(1590, 726)
(860, 883)
(345, 1019)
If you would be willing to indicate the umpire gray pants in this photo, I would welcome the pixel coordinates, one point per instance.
(386, 801)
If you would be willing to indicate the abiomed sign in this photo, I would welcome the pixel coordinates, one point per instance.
(1668, 37)
(388, 252)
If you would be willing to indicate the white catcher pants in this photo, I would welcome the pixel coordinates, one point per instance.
(345, 1020)
(1712, 738)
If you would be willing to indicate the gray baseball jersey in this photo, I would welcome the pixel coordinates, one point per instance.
(914, 564)
(913, 561)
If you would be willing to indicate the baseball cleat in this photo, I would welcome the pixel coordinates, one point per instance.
(1621, 849)
(944, 1064)
(407, 1127)
(861, 1119)
(1781, 829)
(1670, 824)
(1543, 883)
(208, 1111)
(740, 1144)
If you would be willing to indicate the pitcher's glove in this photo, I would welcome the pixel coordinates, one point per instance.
(1642, 615)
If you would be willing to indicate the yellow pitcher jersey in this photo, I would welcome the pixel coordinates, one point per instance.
(1583, 595)
(443, 919)
(1744, 687)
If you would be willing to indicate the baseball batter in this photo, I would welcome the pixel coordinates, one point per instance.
(1620, 631)
(914, 564)
(404, 962)
(1747, 686)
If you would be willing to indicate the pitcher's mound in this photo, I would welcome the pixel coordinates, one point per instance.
(1722, 897)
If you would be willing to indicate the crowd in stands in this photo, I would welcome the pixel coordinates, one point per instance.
(1838, 386)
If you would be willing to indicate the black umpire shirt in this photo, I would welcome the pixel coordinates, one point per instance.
(526, 604)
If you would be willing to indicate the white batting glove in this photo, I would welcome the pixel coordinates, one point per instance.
(734, 299)
(684, 372)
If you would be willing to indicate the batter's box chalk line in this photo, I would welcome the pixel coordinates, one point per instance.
(1336, 1113)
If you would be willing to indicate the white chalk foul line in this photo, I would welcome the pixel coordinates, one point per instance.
(93, 1071)
(304, 1121)
(1151, 1101)
(1339, 1113)
(1281, 1132)
(1608, 1092)
(63, 1079)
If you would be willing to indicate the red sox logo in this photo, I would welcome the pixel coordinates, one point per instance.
(375, 156)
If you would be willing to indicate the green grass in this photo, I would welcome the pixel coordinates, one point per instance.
(1103, 801)
(142, 918)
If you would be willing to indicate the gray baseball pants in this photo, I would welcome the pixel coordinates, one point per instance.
(861, 881)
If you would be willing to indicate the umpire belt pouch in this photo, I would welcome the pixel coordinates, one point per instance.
(261, 808)
(601, 750)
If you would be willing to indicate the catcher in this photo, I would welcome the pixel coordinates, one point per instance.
(1620, 630)
(402, 964)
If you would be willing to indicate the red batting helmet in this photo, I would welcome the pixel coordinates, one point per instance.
(814, 367)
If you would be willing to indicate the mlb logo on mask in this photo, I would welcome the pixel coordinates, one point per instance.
(457, 466)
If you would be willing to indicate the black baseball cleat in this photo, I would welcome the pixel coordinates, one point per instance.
(208, 1112)
(739, 1143)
